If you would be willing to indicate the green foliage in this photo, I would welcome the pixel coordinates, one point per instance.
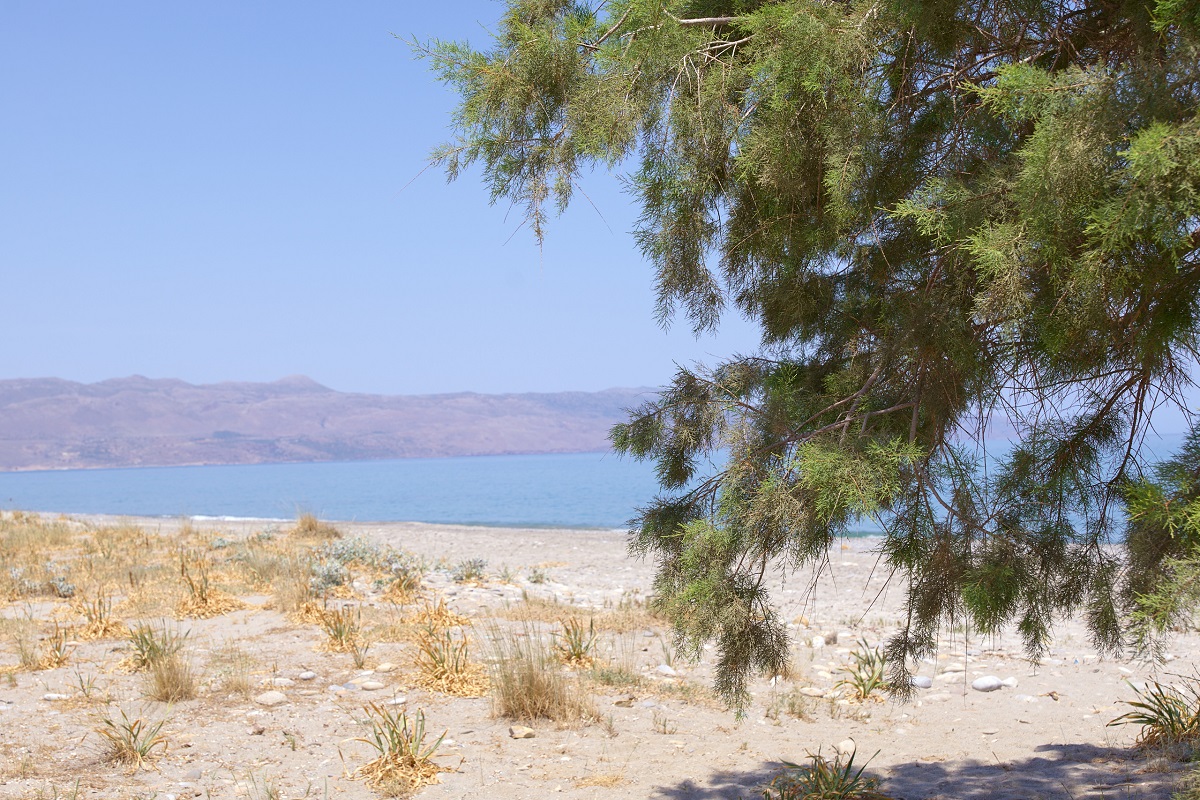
(1169, 715)
(948, 218)
(822, 779)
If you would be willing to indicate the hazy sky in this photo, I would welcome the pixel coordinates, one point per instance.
(215, 191)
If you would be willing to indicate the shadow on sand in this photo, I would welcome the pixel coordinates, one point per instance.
(1059, 772)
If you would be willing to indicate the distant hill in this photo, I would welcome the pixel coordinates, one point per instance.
(48, 423)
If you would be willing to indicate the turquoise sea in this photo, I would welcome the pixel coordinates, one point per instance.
(586, 490)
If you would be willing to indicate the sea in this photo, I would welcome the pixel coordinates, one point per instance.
(577, 490)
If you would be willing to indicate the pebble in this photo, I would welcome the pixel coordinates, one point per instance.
(663, 669)
(386, 667)
(1010, 682)
(521, 732)
(271, 698)
(955, 667)
(845, 748)
(817, 642)
(52, 696)
(371, 686)
(307, 675)
(397, 701)
(988, 683)
(936, 697)
(193, 775)
(812, 691)
(282, 682)
(648, 704)
(921, 681)
(990, 731)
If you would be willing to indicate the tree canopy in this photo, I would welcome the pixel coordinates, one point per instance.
(952, 219)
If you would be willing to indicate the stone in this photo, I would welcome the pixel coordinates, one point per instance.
(817, 642)
(397, 701)
(665, 670)
(845, 748)
(386, 667)
(990, 731)
(371, 686)
(954, 667)
(307, 675)
(812, 691)
(921, 681)
(256, 730)
(193, 775)
(53, 696)
(281, 682)
(271, 699)
(521, 732)
(988, 683)
(1010, 682)
(625, 702)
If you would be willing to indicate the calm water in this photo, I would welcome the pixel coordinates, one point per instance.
(575, 490)
(584, 490)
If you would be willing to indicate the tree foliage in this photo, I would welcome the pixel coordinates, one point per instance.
(949, 217)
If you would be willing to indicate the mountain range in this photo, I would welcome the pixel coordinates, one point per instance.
(49, 423)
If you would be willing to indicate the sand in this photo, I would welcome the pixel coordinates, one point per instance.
(1047, 737)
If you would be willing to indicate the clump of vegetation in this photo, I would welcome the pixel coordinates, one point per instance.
(576, 642)
(404, 760)
(1169, 715)
(309, 527)
(444, 664)
(203, 599)
(160, 653)
(99, 622)
(822, 779)
(151, 645)
(437, 615)
(472, 570)
(866, 674)
(131, 741)
(527, 683)
(346, 633)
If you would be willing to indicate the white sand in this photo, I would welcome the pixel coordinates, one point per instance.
(1046, 738)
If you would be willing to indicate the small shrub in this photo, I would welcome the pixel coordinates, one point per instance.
(99, 622)
(444, 665)
(437, 616)
(470, 571)
(404, 761)
(822, 779)
(527, 683)
(171, 679)
(576, 642)
(234, 667)
(151, 645)
(309, 527)
(344, 628)
(203, 599)
(866, 674)
(131, 741)
(1169, 715)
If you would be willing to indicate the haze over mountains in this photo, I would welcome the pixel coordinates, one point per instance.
(48, 423)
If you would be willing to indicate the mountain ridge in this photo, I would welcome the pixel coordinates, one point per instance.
(53, 423)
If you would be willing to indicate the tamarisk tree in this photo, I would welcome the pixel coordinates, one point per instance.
(952, 219)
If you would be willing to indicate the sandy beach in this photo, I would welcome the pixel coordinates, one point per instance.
(656, 733)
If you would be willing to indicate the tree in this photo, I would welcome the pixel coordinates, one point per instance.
(950, 218)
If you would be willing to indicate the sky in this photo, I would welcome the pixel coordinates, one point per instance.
(233, 191)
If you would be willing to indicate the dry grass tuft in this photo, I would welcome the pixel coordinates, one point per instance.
(203, 600)
(131, 742)
(608, 780)
(309, 527)
(404, 762)
(100, 623)
(528, 684)
(437, 617)
(444, 665)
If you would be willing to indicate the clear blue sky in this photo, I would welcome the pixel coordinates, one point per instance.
(214, 191)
